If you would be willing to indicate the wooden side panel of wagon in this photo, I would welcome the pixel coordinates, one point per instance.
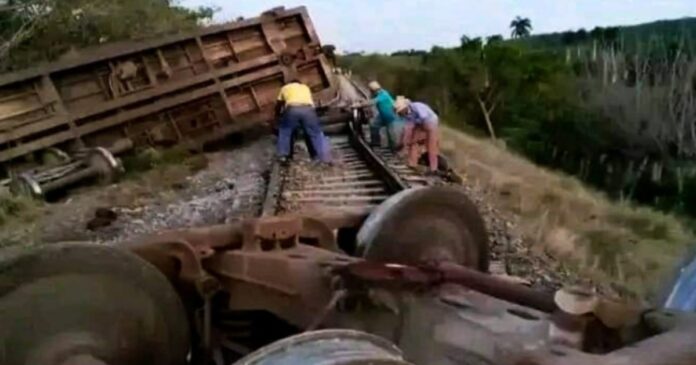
(194, 87)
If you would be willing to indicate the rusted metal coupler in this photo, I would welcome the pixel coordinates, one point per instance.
(431, 275)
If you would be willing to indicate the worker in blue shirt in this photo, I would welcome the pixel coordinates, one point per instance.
(386, 116)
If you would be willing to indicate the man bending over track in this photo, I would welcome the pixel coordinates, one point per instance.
(295, 107)
(419, 116)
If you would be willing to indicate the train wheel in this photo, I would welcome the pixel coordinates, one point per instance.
(86, 304)
(102, 160)
(53, 156)
(427, 224)
(25, 185)
(328, 347)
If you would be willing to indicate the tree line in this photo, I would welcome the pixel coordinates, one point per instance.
(619, 116)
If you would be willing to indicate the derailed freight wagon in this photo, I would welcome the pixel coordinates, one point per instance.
(188, 88)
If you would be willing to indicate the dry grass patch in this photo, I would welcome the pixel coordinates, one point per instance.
(17, 208)
(153, 158)
(630, 248)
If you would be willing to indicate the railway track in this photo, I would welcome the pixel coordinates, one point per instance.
(361, 178)
(349, 185)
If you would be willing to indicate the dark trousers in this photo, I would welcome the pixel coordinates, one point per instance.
(305, 117)
(310, 148)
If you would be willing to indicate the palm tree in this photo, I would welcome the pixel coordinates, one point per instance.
(521, 27)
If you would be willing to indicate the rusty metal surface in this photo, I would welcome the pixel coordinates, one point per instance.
(297, 283)
(294, 283)
(437, 223)
(670, 348)
(427, 276)
(440, 313)
(67, 303)
(327, 347)
(194, 87)
(96, 164)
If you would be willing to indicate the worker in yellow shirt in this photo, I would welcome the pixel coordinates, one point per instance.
(295, 107)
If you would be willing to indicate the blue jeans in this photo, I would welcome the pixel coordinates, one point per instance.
(305, 116)
(375, 137)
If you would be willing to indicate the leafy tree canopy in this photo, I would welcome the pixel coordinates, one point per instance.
(33, 31)
(521, 27)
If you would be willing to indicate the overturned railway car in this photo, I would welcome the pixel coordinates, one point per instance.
(188, 88)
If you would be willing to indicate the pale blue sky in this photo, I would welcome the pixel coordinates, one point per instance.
(388, 25)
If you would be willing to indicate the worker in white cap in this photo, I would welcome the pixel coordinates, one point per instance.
(386, 116)
(419, 118)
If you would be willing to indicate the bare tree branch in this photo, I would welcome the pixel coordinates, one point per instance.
(37, 11)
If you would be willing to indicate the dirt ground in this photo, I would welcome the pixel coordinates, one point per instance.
(171, 196)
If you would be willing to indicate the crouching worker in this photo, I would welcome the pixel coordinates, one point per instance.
(419, 117)
(295, 107)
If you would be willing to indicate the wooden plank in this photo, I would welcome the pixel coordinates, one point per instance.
(255, 98)
(52, 93)
(168, 88)
(250, 45)
(32, 128)
(22, 123)
(107, 122)
(148, 71)
(118, 49)
(104, 88)
(172, 123)
(348, 199)
(157, 107)
(35, 145)
(258, 76)
(344, 184)
(17, 96)
(216, 77)
(146, 110)
(21, 112)
(337, 192)
(230, 42)
(346, 177)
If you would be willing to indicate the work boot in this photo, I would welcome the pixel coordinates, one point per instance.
(284, 160)
(317, 164)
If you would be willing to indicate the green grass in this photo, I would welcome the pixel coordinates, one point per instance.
(151, 158)
(17, 208)
(628, 248)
